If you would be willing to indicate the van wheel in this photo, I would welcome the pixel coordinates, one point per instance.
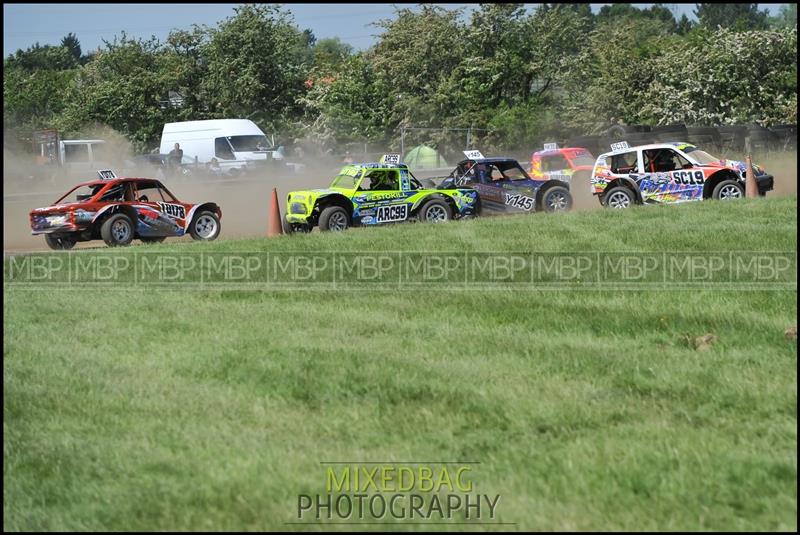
(117, 230)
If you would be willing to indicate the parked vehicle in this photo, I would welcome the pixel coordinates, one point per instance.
(237, 144)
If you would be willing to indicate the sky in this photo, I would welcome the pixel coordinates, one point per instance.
(26, 24)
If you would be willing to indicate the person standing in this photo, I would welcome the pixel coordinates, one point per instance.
(175, 158)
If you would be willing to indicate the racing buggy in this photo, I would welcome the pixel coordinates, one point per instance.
(504, 186)
(118, 210)
(671, 172)
(375, 194)
(561, 164)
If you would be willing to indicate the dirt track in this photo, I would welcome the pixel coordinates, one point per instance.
(244, 203)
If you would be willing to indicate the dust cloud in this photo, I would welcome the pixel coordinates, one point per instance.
(783, 166)
(244, 201)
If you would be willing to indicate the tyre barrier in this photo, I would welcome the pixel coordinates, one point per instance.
(786, 136)
(733, 137)
(671, 132)
(724, 138)
(590, 143)
(759, 138)
(622, 131)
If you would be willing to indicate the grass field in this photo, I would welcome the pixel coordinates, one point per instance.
(144, 408)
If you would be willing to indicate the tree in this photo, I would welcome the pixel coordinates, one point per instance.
(38, 58)
(123, 87)
(414, 55)
(351, 106)
(579, 10)
(35, 85)
(735, 16)
(610, 76)
(684, 25)
(330, 53)
(786, 17)
(498, 45)
(255, 66)
(612, 14)
(184, 54)
(745, 77)
(71, 43)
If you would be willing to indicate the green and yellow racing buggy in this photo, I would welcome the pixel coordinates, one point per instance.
(374, 194)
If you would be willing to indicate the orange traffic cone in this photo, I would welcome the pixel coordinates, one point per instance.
(274, 226)
(750, 188)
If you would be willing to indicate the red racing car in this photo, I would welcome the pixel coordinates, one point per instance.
(562, 164)
(117, 210)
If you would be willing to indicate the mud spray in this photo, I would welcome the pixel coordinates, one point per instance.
(244, 202)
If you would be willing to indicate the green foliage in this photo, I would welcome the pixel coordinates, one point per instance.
(123, 87)
(726, 77)
(786, 17)
(734, 16)
(519, 72)
(612, 73)
(255, 66)
(614, 13)
(415, 54)
(183, 55)
(34, 98)
(351, 106)
(684, 25)
(35, 84)
(71, 43)
(330, 54)
(38, 57)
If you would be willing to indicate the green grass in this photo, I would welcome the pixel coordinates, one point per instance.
(143, 408)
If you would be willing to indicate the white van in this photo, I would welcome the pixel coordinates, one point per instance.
(233, 142)
(81, 156)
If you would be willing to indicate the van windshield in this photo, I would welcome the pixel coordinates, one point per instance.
(248, 143)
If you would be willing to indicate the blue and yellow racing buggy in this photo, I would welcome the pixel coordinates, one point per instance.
(374, 194)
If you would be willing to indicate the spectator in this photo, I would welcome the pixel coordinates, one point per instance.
(175, 158)
(348, 159)
(214, 167)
